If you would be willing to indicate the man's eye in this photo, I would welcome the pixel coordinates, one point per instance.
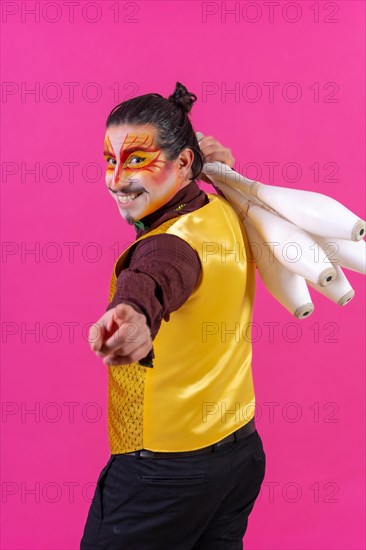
(110, 160)
(135, 157)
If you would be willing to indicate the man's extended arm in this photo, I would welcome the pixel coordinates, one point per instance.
(161, 275)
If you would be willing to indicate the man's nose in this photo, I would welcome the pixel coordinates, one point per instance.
(118, 182)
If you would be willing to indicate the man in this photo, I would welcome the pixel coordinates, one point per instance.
(186, 461)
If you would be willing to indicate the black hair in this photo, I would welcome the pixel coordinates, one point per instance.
(170, 118)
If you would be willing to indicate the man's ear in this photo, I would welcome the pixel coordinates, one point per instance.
(185, 161)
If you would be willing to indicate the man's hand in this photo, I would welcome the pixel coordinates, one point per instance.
(121, 336)
(213, 151)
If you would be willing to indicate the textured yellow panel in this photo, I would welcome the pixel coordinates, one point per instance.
(125, 407)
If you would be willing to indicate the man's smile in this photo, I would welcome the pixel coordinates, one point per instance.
(127, 198)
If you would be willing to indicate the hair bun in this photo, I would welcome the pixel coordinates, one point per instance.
(182, 97)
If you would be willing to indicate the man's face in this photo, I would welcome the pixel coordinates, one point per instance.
(138, 175)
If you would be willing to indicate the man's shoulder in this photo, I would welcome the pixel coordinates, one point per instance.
(160, 246)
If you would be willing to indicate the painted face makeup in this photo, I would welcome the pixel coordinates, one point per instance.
(138, 176)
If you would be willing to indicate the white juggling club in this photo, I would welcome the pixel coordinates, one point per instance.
(348, 254)
(283, 236)
(288, 288)
(339, 291)
(314, 212)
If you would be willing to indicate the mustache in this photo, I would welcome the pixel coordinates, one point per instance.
(126, 190)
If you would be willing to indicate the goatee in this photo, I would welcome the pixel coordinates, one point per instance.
(129, 219)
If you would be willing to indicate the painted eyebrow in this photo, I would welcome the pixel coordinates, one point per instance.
(130, 150)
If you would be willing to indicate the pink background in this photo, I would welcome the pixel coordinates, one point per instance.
(309, 377)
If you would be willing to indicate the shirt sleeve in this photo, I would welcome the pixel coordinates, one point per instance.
(162, 273)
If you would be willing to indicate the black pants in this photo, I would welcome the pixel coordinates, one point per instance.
(198, 502)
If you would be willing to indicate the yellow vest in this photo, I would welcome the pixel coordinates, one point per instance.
(200, 388)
